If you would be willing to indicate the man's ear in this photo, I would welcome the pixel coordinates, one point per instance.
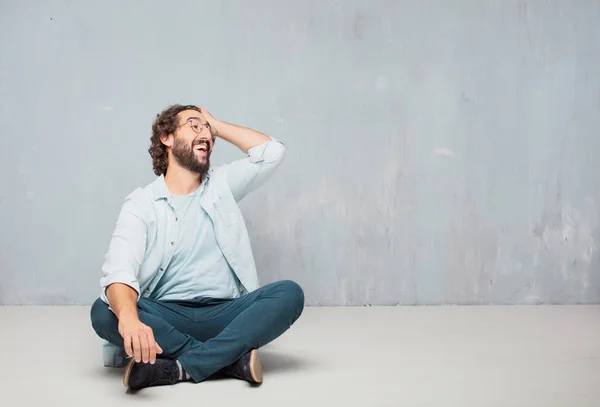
(167, 140)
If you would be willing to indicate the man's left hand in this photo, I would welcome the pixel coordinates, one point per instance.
(242, 137)
(211, 120)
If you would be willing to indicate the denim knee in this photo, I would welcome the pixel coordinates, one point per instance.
(102, 318)
(292, 294)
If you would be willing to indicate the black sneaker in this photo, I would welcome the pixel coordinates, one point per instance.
(247, 368)
(139, 375)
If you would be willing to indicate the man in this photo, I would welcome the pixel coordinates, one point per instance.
(179, 291)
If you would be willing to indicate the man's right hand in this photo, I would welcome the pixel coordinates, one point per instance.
(138, 339)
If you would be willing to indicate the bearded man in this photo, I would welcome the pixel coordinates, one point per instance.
(179, 295)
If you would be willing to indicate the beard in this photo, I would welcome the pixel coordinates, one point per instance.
(185, 156)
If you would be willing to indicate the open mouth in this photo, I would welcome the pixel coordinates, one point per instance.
(201, 147)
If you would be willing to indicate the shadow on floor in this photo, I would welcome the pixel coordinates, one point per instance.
(278, 361)
(113, 371)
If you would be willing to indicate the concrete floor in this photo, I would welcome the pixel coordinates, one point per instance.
(406, 356)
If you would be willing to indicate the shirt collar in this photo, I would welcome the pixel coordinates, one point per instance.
(160, 190)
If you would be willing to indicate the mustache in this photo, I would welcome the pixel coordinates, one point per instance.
(199, 142)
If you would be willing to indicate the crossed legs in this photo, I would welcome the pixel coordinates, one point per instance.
(207, 335)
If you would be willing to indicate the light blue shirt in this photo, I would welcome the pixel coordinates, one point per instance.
(147, 234)
(198, 266)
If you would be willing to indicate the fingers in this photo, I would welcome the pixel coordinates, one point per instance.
(127, 344)
(137, 350)
(152, 346)
(140, 344)
(145, 346)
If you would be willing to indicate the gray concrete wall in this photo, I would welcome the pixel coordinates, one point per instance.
(438, 151)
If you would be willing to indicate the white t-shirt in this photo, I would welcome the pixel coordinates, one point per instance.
(198, 267)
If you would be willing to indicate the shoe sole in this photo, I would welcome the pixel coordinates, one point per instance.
(255, 367)
(128, 372)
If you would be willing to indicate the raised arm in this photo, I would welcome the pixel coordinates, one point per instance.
(263, 156)
(242, 137)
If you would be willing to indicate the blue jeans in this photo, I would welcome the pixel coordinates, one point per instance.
(208, 334)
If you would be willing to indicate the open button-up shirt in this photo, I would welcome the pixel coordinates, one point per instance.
(144, 238)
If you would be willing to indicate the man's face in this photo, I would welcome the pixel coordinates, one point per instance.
(192, 144)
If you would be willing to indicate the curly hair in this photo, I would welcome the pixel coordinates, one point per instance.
(164, 124)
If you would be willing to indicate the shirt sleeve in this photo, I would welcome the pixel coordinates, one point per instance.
(126, 250)
(248, 173)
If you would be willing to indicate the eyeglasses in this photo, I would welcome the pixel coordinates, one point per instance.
(198, 126)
